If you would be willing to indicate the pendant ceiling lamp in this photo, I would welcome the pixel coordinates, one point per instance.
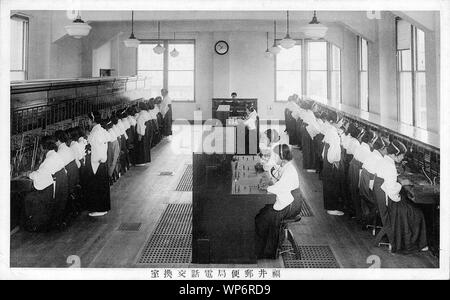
(174, 52)
(274, 49)
(287, 42)
(78, 28)
(314, 30)
(267, 54)
(158, 48)
(132, 41)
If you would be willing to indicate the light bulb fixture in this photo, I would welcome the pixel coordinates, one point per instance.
(158, 48)
(174, 52)
(275, 49)
(78, 28)
(287, 42)
(314, 30)
(267, 54)
(132, 41)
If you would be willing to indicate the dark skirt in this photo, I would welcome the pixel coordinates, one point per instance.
(112, 156)
(124, 157)
(318, 148)
(380, 199)
(368, 203)
(156, 133)
(131, 143)
(97, 188)
(73, 176)
(291, 128)
(148, 140)
(167, 121)
(407, 230)
(141, 149)
(267, 226)
(353, 180)
(298, 130)
(332, 198)
(309, 156)
(61, 196)
(345, 181)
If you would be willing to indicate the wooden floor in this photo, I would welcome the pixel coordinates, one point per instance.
(141, 196)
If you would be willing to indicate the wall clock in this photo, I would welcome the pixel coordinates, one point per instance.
(221, 47)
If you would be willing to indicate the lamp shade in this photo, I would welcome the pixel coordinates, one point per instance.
(314, 31)
(174, 52)
(78, 28)
(287, 42)
(158, 49)
(268, 54)
(275, 49)
(131, 42)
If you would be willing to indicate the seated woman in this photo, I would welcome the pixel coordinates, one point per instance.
(142, 148)
(131, 133)
(268, 142)
(39, 205)
(332, 197)
(291, 114)
(251, 130)
(113, 151)
(403, 222)
(358, 148)
(268, 220)
(309, 130)
(348, 144)
(153, 113)
(71, 166)
(124, 126)
(166, 111)
(97, 190)
(367, 174)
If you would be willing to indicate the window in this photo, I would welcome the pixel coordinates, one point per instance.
(177, 74)
(411, 74)
(311, 68)
(363, 61)
(317, 70)
(19, 47)
(289, 73)
(335, 74)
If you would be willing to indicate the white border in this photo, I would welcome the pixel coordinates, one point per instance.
(113, 273)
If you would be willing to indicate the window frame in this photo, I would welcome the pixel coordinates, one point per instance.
(300, 42)
(304, 70)
(413, 71)
(165, 43)
(359, 48)
(331, 70)
(25, 43)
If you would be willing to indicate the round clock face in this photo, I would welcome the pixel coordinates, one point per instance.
(221, 47)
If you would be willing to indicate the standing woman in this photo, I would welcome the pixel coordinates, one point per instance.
(330, 172)
(267, 222)
(97, 184)
(153, 114)
(403, 221)
(166, 110)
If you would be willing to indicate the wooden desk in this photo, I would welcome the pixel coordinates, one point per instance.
(223, 222)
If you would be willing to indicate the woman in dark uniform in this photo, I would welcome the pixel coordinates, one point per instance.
(97, 183)
(403, 222)
(332, 197)
(268, 220)
(142, 147)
